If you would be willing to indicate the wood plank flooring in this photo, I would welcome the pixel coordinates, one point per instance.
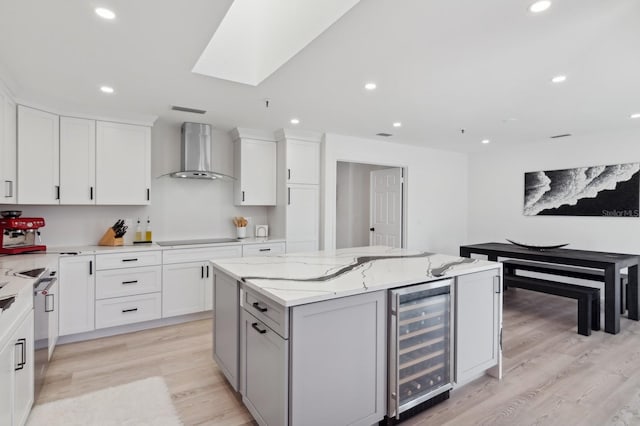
(552, 375)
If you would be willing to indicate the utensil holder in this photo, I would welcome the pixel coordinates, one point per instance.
(109, 239)
(242, 232)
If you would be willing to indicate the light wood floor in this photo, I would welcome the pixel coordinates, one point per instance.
(553, 376)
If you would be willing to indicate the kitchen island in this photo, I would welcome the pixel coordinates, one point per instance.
(315, 338)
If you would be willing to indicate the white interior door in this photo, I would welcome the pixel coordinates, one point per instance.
(386, 207)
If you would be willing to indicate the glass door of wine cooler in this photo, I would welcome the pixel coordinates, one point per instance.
(420, 350)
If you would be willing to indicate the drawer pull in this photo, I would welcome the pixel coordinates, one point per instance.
(23, 354)
(130, 282)
(135, 259)
(267, 249)
(258, 307)
(124, 311)
(256, 328)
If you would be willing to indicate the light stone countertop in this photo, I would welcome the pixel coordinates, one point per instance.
(299, 278)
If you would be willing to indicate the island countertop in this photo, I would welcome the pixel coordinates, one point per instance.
(300, 278)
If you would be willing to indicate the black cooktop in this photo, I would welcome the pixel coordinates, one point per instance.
(193, 242)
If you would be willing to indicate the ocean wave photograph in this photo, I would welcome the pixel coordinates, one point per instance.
(612, 190)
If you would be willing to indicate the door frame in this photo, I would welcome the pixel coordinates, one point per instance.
(405, 184)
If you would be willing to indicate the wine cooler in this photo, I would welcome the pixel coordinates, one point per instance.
(420, 349)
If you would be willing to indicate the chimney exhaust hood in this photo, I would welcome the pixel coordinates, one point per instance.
(195, 153)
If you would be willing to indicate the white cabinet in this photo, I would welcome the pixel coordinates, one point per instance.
(187, 278)
(226, 329)
(8, 154)
(38, 157)
(263, 249)
(303, 162)
(303, 218)
(77, 294)
(478, 307)
(77, 161)
(123, 163)
(24, 370)
(264, 366)
(6, 379)
(255, 169)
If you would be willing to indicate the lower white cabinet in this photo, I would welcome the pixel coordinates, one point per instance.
(127, 310)
(226, 331)
(264, 371)
(77, 294)
(478, 307)
(263, 249)
(128, 282)
(185, 288)
(16, 374)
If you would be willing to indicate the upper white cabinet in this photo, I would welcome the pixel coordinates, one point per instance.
(8, 155)
(255, 168)
(303, 162)
(77, 161)
(303, 218)
(38, 157)
(123, 163)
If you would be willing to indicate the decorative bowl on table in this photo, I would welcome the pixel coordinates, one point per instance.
(537, 247)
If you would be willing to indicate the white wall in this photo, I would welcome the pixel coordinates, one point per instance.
(496, 194)
(180, 208)
(436, 189)
(353, 204)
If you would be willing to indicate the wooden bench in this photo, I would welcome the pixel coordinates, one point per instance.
(588, 297)
(512, 265)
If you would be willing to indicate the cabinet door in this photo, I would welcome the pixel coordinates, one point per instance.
(478, 298)
(303, 212)
(256, 184)
(350, 359)
(77, 161)
(24, 369)
(226, 331)
(77, 294)
(303, 162)
(265, 360)
(38, 156)
(183, 288)
(6, 378)
(8, 158)
(123, 163)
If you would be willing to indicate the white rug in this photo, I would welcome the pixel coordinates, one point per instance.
(145, 402)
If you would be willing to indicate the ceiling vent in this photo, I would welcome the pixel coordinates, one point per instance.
(564, 135)
(386, 135)
(185, 109)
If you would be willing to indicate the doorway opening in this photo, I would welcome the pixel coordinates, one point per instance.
(369, 205)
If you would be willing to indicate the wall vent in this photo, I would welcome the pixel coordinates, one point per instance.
(185, 109)
(386, 135)
(564, 135)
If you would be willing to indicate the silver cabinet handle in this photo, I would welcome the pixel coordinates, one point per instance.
(8, 188)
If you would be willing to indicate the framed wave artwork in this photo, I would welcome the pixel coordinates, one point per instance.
(612, 191)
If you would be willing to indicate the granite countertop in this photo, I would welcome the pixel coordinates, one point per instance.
(299, 278)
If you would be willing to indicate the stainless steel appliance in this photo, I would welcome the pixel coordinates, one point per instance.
(45, 322)
(20, 235)
(420, 346)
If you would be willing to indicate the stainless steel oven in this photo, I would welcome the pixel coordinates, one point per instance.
(45, 312)
(420, 345)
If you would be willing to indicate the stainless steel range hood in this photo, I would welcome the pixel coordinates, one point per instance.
(195, 153)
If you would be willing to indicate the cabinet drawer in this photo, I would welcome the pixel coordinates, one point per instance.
(127, 310)
(266, 249)
(128, 282)
(128, 260)
(275, 316)
(201, 254)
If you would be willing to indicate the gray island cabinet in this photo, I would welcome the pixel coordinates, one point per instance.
(304, 337)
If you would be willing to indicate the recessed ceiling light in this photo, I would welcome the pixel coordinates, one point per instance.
(559, 79)
(635, 115)
(105, 13)
(370, 86)
(295, 121)
(397, 124)
(540, 6)
(485, 141)
(106, 89)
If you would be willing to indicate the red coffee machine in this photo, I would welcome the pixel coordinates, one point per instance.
(20, 234)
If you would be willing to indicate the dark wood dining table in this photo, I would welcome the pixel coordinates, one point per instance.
(610, 263)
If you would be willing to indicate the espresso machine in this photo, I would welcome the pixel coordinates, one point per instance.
(20, 234)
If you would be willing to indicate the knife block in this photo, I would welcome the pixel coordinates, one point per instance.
(109, 239)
